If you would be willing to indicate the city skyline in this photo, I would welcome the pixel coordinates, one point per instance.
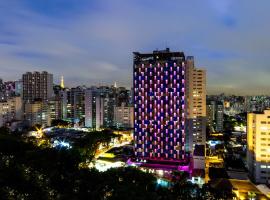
(92, 42)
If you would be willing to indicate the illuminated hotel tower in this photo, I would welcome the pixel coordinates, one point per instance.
(159, 105)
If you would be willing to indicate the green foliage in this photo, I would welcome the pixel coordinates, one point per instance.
(30, 172)
(87, 146)
(4, 130)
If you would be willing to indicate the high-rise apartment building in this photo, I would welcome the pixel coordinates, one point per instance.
(124, 116)
(18, 88)
(100, 103)
(159, 105)
(215, 115)
(94, 108)
(75, 104)
(60, 102)
(54, 106)
(37, 112)
(210, 112)
(196, 104)
(258, 146)
(37, 85)
(219, 117)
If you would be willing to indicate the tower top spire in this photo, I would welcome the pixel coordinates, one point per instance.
(62, 82)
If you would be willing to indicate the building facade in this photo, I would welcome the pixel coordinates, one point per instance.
(219, 117)
(37, 85)
(10, 110)
(159, 105)
(196, 105)
(94, 108)
(124, 116)
(215, 115)
(211, 114)
(37, 112)
(258, 145)
(75, 104)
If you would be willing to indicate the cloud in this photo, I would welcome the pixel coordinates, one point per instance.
(91, 42)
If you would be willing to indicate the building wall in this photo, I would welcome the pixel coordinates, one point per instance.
(199, 162)
(124, 116)
(37, 85)
(210, 114)
(88, 108)
(55, 109)
(99, 111)
(37, 112)
(196, 104)
(219, 117)
(4, 113)
(94, 109)
(63, 100)
(199, 93)
(15, 104)
(76, 104)
(258, 145)
(11, 110)
(159, 105)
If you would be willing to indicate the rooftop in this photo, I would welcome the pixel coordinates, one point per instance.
(158, 55)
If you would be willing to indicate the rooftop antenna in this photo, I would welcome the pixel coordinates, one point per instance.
(166, 46)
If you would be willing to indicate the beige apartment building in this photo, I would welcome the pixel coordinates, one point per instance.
(10, 110)
(196, 104)
(258, 146)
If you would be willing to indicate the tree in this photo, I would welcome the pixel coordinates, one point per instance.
(59, 122)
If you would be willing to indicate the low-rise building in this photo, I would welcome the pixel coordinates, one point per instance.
(10, 110)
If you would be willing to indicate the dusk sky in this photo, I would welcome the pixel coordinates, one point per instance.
(91, 41)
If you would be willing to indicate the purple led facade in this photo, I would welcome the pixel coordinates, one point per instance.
(159, 110)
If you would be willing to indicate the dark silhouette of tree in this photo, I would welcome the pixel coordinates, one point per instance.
(59, 122)
(31, 172)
